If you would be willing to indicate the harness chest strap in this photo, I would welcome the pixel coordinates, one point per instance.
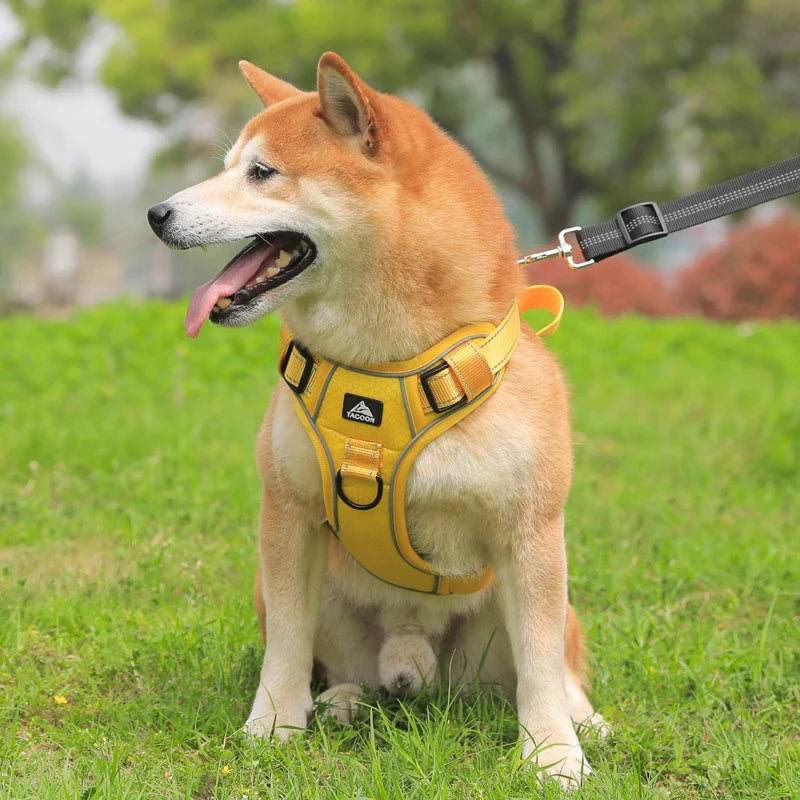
(367, 426)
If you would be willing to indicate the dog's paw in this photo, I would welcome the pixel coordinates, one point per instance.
(272, 725)
(339, 702)
(279, 720)
(562, 763)
(595, 725)
(406, 663)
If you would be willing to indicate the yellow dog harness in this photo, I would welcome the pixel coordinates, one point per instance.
(367, 425)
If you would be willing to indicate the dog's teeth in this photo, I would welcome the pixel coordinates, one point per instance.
(281, 261)
(223, 302)
(273, 271)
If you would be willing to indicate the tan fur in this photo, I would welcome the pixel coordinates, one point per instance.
(258, 602)
(574, 642)
(574, 645)
(413, 244)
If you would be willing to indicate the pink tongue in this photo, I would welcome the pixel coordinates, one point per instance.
(228, 282)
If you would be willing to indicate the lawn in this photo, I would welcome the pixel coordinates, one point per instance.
(129, 650)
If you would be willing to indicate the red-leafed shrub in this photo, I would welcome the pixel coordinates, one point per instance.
(616, 286)
(755, 274)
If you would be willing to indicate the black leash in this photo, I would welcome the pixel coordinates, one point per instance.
(644, 222)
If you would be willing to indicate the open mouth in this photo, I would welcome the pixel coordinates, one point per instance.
(266, 262)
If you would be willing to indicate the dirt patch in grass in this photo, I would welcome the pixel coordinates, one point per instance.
(89, 560)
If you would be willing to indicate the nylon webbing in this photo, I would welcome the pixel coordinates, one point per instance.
(646, 221)
(470, 368)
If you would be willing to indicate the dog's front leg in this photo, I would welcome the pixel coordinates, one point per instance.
(293, 564)
(532, 582)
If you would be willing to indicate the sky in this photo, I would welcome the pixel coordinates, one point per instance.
(77, 130)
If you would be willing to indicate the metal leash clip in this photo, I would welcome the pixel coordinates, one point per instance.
(564, 250)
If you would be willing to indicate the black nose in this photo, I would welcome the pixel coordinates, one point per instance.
(157, 216)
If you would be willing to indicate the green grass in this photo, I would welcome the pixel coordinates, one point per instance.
(128, 512)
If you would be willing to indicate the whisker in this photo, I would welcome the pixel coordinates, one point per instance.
(225, 134)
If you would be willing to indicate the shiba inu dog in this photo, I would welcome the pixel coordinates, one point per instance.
(375, 235)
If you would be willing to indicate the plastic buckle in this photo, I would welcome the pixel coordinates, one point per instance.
(423, 379)
(307, 369)
(654, 211)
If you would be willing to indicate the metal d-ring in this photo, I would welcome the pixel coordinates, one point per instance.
(359, 506)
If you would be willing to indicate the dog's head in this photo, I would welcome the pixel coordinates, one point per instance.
(357, 208)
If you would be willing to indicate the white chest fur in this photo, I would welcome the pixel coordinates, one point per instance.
(461, 490)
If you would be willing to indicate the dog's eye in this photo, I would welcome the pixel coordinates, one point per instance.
(261, 171)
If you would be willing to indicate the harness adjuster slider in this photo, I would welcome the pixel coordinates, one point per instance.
(308, 367)
(647, 214)
(424, 379)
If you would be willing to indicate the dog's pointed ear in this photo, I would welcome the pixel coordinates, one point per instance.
(346, 102)
(269, 88)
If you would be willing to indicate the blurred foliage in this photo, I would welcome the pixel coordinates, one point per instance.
(610, 100)
(14, 155)
(752, 275)
(76, 205)
(15, 226)
(13, 158)
(634, 289)
(85, 216)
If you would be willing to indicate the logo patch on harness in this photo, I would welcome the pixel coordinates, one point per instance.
(362, 409)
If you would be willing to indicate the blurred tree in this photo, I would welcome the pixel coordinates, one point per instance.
(13, 159)
(607, 99)
(77, 205)
(15, 226)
